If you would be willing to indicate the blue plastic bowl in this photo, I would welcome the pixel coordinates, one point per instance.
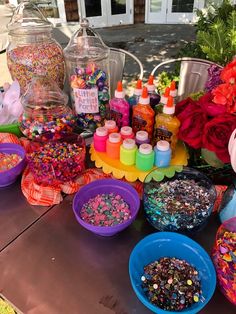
(171, 244)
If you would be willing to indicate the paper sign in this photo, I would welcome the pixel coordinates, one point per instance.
(86, 100)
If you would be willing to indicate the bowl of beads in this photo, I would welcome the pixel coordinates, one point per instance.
(56, 162)
(182, 203)
(106, 206)
(12, 163)
(170, 273)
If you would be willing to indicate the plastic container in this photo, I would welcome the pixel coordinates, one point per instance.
(31, 49)
(134, 99)
(227, 207)
(119, 107)
(57, 162)
(223, 256)
(182, 203)
(126, 132)
(167, 244)
(8, 177)
(145, 157)
(113, 145)
(154, 97)
(143, 115)
(141, 137)
(111, 126)
(100, 139)
(46, 114)
(87, 63)
(173, 90)
(128, 152)
(162, 154)
(125, 190)
(164, 96)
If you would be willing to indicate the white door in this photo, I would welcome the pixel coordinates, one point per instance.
(120, 12)
(155, 11)
(94, 11)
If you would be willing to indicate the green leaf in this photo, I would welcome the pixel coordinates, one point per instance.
(211, 158)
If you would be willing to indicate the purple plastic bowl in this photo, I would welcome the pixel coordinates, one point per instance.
(9, 176)
(126, 191)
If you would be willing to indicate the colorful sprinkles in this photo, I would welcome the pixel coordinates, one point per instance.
(105, 210)
(171, 284)
(8, 161)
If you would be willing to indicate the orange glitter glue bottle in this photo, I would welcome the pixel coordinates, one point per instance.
(143, 115)
(167, 125)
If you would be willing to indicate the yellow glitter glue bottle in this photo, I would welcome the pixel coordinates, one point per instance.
(128, 152)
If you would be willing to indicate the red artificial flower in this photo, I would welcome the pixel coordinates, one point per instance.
(228, 74)
(216, 135)
(225, 94)
(212, 109)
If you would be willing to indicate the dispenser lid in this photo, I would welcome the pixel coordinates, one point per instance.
(43, 93)
(86, 43)
(27, 18)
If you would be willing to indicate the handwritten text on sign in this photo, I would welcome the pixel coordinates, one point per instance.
(86, 100)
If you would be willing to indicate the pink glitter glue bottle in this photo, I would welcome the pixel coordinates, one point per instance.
(119, 107)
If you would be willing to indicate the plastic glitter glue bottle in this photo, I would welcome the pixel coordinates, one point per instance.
(126, 132)
(134, 99)
(173, 90)
(111, 126)
(113, 145)
(141, 137)
(145, 157)
(119, 107)
(128, 152)
(99, 139)
(163, 101)
(167, 125)
(143, 115)
(162, 152)
(154, 97)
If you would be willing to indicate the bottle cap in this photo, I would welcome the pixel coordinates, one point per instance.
(119, 93)
(110, 124)
(141, 135)
(138, 88)
(144, 99)
(169, 108)
(164, 97)
(163, 145)
(173, 90)
(114, 137)
(145, 149)
(129, 143)
(150, 85)
(126, 130)
(101, 131)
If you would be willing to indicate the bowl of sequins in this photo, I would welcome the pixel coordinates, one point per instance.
(12, 163)
(58, 161)
(171, 273)
(106, 206)
(182, 203)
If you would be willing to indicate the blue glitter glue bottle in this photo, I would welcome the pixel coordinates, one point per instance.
(162, 154)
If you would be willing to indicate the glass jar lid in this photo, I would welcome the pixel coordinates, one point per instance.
(85, 43)
(28, 18)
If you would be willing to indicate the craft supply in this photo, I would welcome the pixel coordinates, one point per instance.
(8, 161)
(128, 152)
(154, 97)
(164, 97)
(134, 99)
(113, 145)
(145, 157)
(87, 60)
(173, 90)
(177, 204)
(143, 115)
(119, 107)
(171, 284)
(141, 137)
(167, 125)
(105, 210)
(111, 126)
(224, 258)
(32, 50)
(126, 132)
(100, 138)
(162, 154)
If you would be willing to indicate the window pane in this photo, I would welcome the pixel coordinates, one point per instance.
(155, 5)
(49, 8)
(182, 5)
(118, 7)
(93, 8)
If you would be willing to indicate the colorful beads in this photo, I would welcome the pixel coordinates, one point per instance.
(8, 161)
(105, 210)
(26, 61)
(171, 284)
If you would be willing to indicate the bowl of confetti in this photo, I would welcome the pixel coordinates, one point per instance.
(12, 163)
(182, 203)
(170, 273)
(106, 206)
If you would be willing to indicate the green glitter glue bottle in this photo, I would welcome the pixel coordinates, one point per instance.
(145, 157)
